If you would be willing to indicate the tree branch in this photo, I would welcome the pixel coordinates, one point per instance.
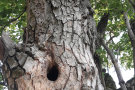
(111, 38)
(130, 32)
(132, 3)
(14, 19)
(101, 27)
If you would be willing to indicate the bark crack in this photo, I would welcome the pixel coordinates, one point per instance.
(67, 80)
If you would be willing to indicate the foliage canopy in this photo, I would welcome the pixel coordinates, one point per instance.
(116, 35)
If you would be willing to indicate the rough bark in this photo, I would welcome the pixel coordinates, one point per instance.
(58, 48)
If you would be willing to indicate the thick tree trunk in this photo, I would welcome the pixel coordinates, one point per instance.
(58, 48)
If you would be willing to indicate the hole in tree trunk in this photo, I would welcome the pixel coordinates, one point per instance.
(53, 73)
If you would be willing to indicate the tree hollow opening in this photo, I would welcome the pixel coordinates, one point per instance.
(53, 73)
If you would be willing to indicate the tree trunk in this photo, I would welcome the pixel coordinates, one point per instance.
(131, 34)
(98, 63)
(57, 53)
(116, 66)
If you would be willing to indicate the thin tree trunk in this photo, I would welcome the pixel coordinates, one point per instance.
(116, 66)
(134, 66)
(57, 53)
(132, 39)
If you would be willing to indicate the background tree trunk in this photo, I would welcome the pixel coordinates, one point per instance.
(116, 66)
(131, 34)
(58, 48)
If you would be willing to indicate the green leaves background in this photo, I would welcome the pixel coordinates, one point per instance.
(116, 27)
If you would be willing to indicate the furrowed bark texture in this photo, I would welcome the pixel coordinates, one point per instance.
(58, 55)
